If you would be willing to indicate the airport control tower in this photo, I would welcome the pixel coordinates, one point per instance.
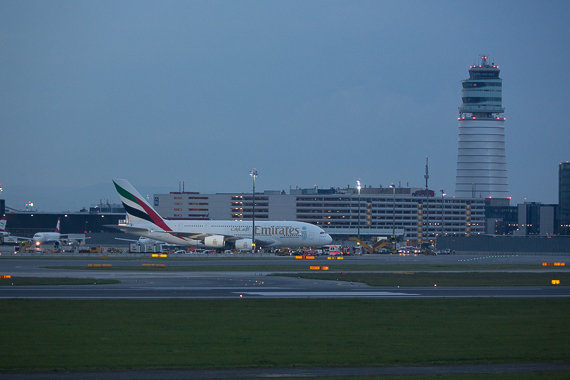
(481, 160)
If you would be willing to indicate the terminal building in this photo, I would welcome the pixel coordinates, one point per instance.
(94, 220)
(412, 214)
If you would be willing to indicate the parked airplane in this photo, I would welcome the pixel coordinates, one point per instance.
(56, 237)
(144, 221)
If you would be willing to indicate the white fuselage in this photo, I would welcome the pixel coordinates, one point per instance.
(268, 234)
(46, 237)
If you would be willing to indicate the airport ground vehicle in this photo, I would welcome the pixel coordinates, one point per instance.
(376, 245)
(333, 250)
(408, 250)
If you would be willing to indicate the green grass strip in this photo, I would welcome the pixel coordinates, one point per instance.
(21, 281)
(442, 278)
(123, 334)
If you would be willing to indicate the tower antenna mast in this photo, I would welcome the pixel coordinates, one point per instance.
(426, 176)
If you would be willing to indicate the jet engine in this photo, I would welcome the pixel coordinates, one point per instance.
(243, 244)
(214, 241)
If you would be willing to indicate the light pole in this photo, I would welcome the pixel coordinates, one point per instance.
(393, 210)
(253, 174)
(442, 209)
(393, 242)
(358, 224)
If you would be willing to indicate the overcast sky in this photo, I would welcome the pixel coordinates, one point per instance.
(307, 92)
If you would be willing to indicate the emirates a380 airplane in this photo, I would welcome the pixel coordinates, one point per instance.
(144, 221)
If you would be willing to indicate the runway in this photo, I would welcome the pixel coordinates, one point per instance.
(119, 291)
(137, 284)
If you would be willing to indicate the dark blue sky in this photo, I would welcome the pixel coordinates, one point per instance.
(308, 92)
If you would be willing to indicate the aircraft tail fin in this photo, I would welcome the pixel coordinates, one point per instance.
(137, 208)
(57, 225)
(3, 222)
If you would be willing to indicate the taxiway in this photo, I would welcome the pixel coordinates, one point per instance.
(184, 284)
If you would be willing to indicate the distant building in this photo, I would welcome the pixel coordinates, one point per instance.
(412, 213)
(106, 208)
(28, 223)
(500, 217)
(94, 220)
(548, 218)
(536, 219)
(481, 159)
(564, 198)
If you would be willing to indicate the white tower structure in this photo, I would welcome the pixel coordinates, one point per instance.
(481, 160)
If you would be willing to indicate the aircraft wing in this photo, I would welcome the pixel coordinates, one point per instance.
(131, 240)
(202, 236)
(15, 239)
(129, 229)
(186, 234)
(140, 231)
(72, 237)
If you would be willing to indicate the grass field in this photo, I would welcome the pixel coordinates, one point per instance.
(124, 334)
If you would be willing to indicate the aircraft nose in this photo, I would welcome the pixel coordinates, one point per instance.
(328, 239)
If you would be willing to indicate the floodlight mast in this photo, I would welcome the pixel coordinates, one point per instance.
(443, 194)
(358, 224)
(393, 186)
(253, 174)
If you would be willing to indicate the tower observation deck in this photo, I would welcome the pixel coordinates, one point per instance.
(481, 159)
